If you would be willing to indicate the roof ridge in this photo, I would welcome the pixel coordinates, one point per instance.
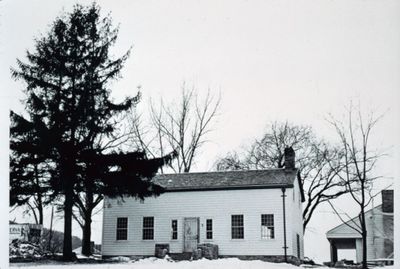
(227, 179)
(227, 171)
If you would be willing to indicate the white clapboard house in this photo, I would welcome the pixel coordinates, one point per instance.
(255, 213)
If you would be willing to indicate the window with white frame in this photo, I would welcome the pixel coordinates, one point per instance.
(148, 228)
(174, 229)
(209, 229)
(122, 228)
(237, 226)
(267, 226)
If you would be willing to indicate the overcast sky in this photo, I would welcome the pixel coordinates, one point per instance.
(270, 60)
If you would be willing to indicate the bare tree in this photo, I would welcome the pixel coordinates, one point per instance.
(85, 205)
(35, 207)
(317, 161)
(269, 151)
(320, 178)
(231, 161)
(354, 133)
(179, 126)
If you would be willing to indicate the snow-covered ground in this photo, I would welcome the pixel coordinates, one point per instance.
(154, 263)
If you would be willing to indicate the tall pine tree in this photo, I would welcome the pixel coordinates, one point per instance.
(28, 171)
(68, 110)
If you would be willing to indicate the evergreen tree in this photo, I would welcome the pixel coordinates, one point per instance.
(28, 171)
(69, 111)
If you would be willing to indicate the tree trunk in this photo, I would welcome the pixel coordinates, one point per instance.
(364, 253)
(86, 234)
(87, 218)
(39, 202)
(40, 209)
(51, 229)
(67, 245)
(364, 239)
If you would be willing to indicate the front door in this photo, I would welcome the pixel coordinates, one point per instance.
(191, 236)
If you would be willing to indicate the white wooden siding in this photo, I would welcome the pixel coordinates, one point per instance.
(378, 230)
(295, 210)
(215, 205)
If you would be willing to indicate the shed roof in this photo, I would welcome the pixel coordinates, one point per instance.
(270, 178)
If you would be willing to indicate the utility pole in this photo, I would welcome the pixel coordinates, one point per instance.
(284, 223)
(51, 228)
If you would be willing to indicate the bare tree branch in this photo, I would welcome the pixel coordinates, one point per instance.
(182, 127)
(319, 163)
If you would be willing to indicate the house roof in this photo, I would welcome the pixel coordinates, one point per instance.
(270, 178)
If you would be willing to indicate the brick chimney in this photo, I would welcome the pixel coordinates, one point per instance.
(387, 201)
(290, 158)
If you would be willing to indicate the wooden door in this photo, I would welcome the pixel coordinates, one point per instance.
(191, 234)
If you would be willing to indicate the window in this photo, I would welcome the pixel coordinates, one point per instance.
(122, 228)
(174, 227)
(209, 232)
(148, 228)
(237, 227)
(267, 226)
